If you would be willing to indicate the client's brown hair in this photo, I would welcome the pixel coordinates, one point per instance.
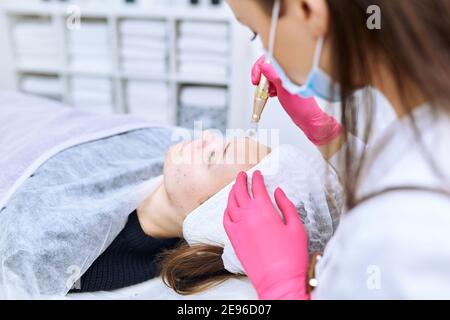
(193, 269)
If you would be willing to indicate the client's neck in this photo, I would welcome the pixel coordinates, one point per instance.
(158, 217)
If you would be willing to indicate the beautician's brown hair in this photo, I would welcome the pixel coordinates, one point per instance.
(414, 46)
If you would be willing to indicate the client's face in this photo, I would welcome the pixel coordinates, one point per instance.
(196, 170)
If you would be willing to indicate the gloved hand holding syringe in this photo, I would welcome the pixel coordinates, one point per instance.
(319, 127)
(262, 87)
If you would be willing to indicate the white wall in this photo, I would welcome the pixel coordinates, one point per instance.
(6, 74)
(274, 116)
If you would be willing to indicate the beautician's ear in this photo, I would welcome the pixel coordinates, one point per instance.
(314, 13)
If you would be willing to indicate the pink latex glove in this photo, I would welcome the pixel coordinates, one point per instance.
(273, 253)
(319, 127)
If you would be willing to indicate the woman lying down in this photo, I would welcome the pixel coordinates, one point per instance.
(193, 172)
(192, 195)
(63, 233)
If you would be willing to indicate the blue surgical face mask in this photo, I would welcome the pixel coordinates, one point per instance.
(318, 83)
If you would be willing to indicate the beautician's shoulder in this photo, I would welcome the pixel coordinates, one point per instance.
(392, 247)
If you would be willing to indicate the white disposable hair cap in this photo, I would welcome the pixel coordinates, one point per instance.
(307, 180)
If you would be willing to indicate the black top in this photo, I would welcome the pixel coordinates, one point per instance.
(129, 260)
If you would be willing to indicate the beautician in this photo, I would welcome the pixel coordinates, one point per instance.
(393, 240)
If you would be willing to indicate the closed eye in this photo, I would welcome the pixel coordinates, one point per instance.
(213, 154)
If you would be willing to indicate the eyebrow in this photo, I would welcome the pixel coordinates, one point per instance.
(226, 148)
(223, 155)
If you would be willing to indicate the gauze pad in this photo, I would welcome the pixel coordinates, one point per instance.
(308, 182)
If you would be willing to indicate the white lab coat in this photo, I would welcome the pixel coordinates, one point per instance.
(396, 245)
